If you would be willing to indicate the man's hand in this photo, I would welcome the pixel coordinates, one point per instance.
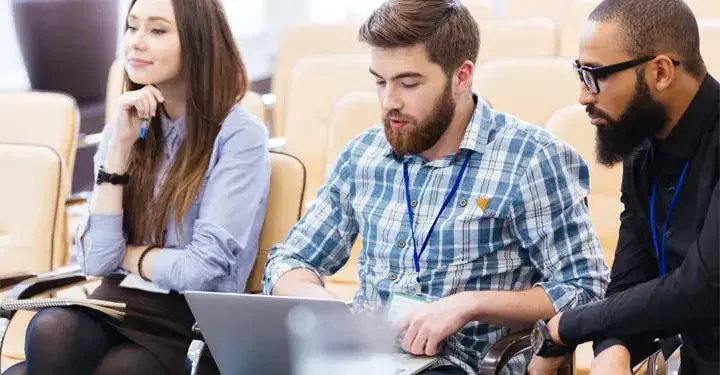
(614, 360)
(428, 327)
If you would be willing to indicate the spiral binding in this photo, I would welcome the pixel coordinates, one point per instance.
(112, 309)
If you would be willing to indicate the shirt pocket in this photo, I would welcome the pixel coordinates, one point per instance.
(480, 231)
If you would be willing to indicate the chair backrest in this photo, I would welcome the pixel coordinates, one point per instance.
(553, 9)
(303, 41)
(571, 124)
(254, 104)
(317, 84)
(45, 119)
(709, 42)
(351, 115)
(705, 8)
(285, 201)
(252, 100)
(531, 88)
(500, 39)
(30, 199)
(571, 24)
(481, 10)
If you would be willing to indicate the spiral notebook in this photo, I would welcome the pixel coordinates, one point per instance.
(113, 309)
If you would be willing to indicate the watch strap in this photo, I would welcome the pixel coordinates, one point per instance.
(112, 178)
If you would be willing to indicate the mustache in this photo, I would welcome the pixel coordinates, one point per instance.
(398, 116)
(592, 111)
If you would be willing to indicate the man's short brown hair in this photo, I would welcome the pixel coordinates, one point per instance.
(445, 27)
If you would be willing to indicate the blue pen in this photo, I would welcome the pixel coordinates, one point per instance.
(143, 129)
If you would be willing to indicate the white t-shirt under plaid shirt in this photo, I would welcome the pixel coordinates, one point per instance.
(518, 220)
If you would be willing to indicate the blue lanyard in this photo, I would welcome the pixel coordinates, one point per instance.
(411, 214)
(660, 249)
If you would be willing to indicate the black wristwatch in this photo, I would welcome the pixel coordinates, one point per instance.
(112, 178)
(543, 345)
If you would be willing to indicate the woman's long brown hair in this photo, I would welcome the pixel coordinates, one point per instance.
(216, 80)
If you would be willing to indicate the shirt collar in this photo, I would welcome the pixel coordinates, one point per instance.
(172, 128)
(477, 133)
(700, 114)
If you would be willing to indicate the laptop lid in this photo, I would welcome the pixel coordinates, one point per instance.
(246, 333)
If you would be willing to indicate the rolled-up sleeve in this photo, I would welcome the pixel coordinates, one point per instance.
(230, 220)
(551, 220)
(100, 240)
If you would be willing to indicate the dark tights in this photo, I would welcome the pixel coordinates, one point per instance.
(63, 341)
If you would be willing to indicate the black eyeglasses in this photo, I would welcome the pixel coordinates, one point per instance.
(589, 76)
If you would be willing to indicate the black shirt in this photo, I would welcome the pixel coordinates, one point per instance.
(641, 306)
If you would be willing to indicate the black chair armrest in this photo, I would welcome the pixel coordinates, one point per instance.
(508, 347)
(501, 352)
(8, 280)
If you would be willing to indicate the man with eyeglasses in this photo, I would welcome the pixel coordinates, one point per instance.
(655, 108)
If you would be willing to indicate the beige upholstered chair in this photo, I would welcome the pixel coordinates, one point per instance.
(51, 120)
(481, 10)
(499, 39)
(521, 9)
(571, 24)
(705, 8)
(317, 84)
(531, 89)
(285, 202)
(709, 42)
(29, 198)
(303, 41)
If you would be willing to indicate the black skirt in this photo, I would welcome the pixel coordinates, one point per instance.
(161, 323)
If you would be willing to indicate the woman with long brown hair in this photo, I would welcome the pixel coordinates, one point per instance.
(179, 202)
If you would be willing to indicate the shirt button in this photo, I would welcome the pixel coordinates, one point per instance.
(668, 234)
(671, 189)
(392, 277)
(401, 244)
(463, 203)
(413, 203)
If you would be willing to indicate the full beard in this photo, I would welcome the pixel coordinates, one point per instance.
(416, 137)
(619, 139)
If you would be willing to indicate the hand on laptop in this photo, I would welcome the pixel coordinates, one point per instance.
(427, 328)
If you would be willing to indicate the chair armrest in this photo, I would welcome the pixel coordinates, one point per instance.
(509, 346)
(89, 140)
(501, 352)
(277, 144)
(269, 100)
(195, 351)
(79, 197)
(11, 279)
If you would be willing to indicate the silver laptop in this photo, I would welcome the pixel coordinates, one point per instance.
(246, 333)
